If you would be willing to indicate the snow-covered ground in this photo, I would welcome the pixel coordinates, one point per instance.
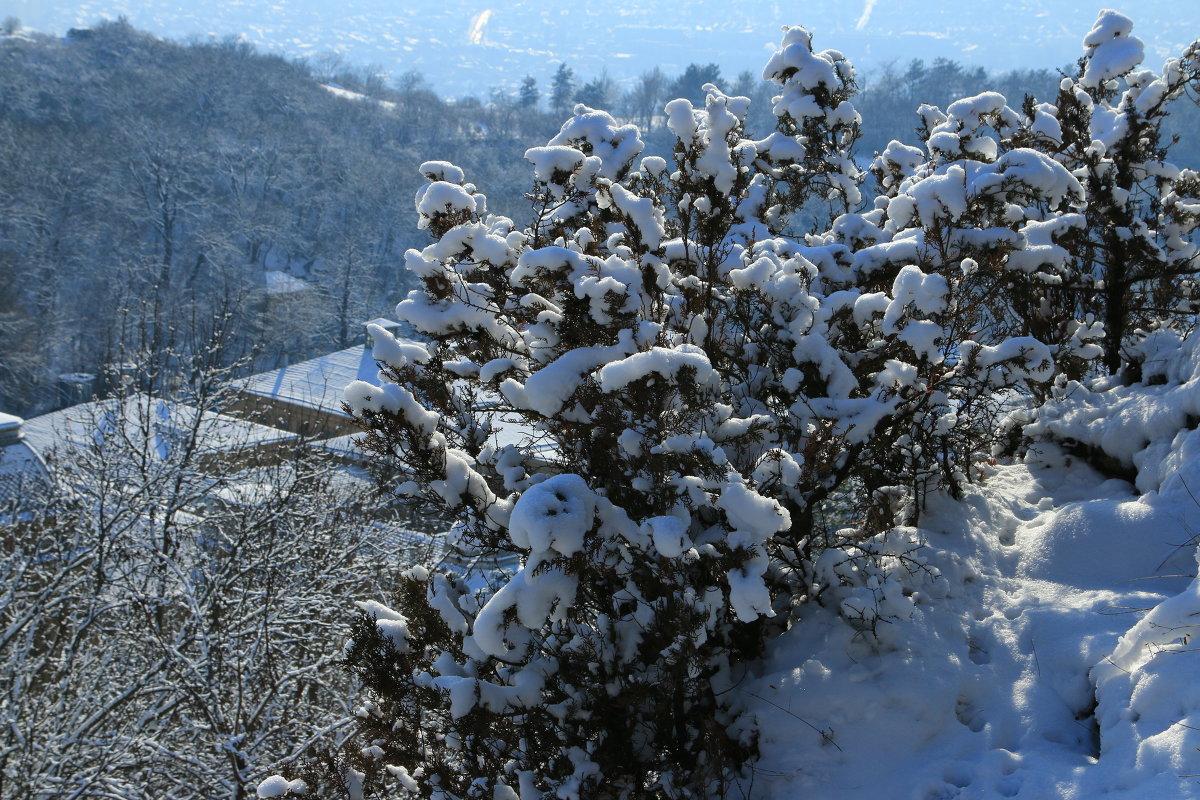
(1057, 589)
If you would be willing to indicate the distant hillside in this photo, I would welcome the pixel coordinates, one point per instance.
(456, 41)
(151, 187)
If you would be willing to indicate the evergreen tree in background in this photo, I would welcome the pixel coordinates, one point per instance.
(690, 84)
(562, 90)
(529, 95)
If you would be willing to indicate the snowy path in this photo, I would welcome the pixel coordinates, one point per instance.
(988, 691)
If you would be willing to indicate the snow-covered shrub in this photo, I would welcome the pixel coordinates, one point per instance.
(1130, 260)
(644, 395)
(1130, 263)
(879, 579)
(1065, 216)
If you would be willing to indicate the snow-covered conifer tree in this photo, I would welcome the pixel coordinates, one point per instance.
(1132, 259)
(644, 394)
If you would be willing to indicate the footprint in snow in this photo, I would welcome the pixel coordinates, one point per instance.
(1009, 786)
(969, 714)
(955, 778)
(978, 651)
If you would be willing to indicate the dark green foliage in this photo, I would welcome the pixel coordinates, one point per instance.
(690, 84)
(562, 90)
(529, 94)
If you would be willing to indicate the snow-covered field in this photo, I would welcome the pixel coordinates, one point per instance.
(1051, 658)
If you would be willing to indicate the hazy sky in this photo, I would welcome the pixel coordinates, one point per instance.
(466, 47)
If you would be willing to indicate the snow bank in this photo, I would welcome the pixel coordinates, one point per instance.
(1010, 614)
(1149, 694)
(1143, 426)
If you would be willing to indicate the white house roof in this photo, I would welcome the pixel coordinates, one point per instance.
(506, 429)
(156, 422)
(22, 473)
(278, 282)
(22, 470)
(318, 382)
(343, 446)
(384, 322)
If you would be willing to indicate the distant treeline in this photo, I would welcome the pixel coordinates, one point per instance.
(149, 186)
(888, 100)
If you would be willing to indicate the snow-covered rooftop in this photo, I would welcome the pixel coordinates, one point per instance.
(506, 429)
(22, 473)
(385, 323)
(393, 537)
(22, 470)
(346, 94)
(277, 282)
(158, 422)
(341, 446)
(316, 383)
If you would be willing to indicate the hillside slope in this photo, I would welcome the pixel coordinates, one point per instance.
(151, 184)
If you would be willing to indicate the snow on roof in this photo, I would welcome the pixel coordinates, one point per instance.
(277, 282)
(320, 383)
(344, 446)
(346, 94)
(390, 537)
(22, 470)
(246, 494)
(383, 322)
(512, 429)
(317, 383)
(159, 422)
(506, 429)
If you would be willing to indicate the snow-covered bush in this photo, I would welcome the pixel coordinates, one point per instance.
(1131, 256)
(644, 395)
